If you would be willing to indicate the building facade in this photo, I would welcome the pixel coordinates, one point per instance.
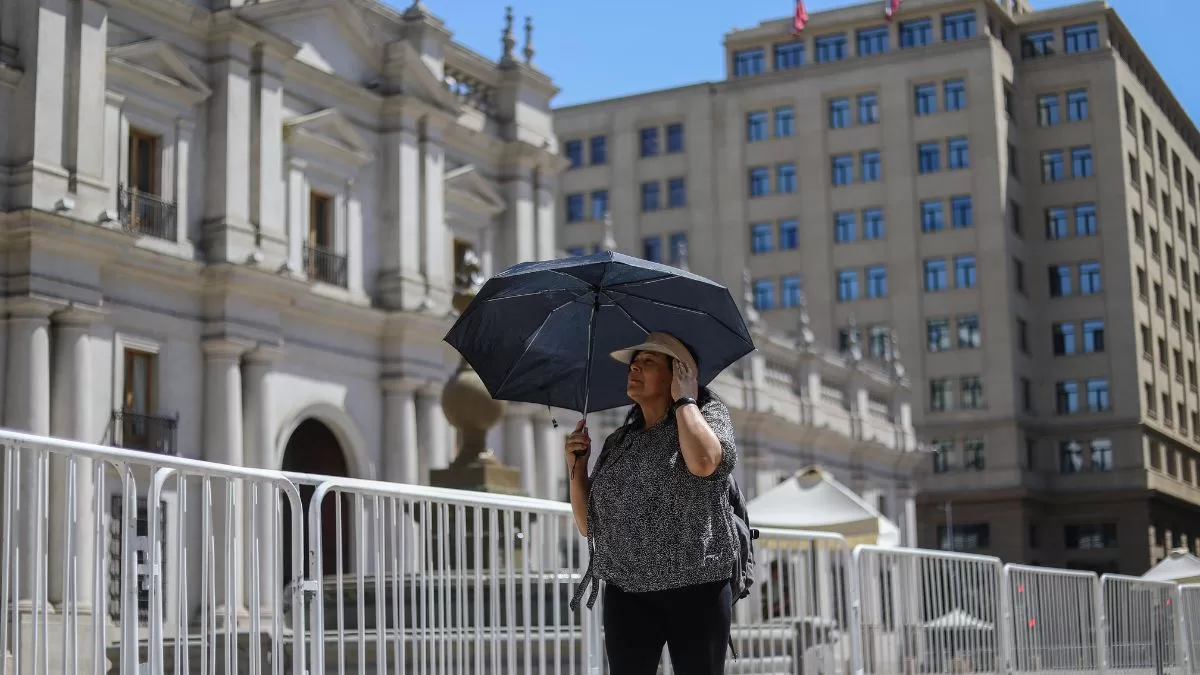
(1008, 193)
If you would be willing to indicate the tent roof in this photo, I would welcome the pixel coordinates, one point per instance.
(1179, 565)
(811, 499)
(957, 618)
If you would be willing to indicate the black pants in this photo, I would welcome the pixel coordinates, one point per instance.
(693, 622)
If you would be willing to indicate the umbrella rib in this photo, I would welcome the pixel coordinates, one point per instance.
(626, 313)
(529, 343)
(693, 310)
(530, 295)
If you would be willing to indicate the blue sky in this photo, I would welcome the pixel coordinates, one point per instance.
(610, 48)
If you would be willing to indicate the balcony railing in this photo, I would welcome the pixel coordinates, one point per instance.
(148, 433)
(321, 264)
(146, 214)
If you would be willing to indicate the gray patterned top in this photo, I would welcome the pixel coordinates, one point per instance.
(653, 524)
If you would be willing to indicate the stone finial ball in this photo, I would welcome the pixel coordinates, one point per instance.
(467, 404)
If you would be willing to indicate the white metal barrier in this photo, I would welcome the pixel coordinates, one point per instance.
(114, 561)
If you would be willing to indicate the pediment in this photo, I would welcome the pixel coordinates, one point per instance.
(352, 50)
(468, 186)
(419, 81)
(328, 132)
(155, 64)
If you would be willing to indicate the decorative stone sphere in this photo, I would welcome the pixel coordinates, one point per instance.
(467, 404)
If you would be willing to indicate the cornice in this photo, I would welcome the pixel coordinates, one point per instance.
(227, 25)
(524, 74)
(183, 16)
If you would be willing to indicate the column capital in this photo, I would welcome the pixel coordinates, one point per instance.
(399, 384)
(265, 353)
(80, 315)
(521, 410)
(32, 307)
(220, 346)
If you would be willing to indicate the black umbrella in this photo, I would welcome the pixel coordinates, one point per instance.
(542, 332)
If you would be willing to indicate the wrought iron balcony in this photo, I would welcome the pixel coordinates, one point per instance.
(146, 214)
(148, 433)
(324, 265)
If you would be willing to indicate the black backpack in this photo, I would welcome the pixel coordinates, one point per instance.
(743, 564)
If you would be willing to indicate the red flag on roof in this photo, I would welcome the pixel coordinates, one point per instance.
(800, 19)
(890, 8)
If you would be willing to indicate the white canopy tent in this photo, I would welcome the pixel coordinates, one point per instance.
(1179, 566)
(813, 500)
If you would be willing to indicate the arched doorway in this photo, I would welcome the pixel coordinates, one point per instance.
(313, 449)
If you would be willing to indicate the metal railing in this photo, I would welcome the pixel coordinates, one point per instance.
(322, 264)
(146, 214)
(115, 561)
(148, 433)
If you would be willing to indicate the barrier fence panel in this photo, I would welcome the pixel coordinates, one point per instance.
(1189, 612)
(1053, 620)
(93, 535)
(1142, 627)
(928, 611)
(417, 580)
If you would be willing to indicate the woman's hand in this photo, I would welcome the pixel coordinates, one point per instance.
(578, 447)
(683, 380)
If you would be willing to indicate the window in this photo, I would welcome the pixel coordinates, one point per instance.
(1056, 223)
(1085, 220)
(872, 166)
(936, 278)
(760, 181)
(789, 235)
(761, 236)
(1053, 169)
(599, 150)
(1089, 278)
(575, 208)
(1060, 281)
(756, 126)
(929, 158)
(964, 271)
(1081, 162)
(931, 215)
(943, 454)
(144, 162)
(1091, 536)
(872, 223)
(1048, 114)
(651, 196)
(789, 55)
(872, 41)
(649, 145)
(652, 249)
(1037, 44)
(955, 95)
(320, 257)
(941, 396)
(1101, 459)
(1063, 338)
(877, 281)
(1097, 394)
(830, 47)
(958, 26)
(1093, 336)
(599, 204)
(790, 290)
(937, 332)
(845, 230)
(785, 178)
(574, 152)
(843, 169)
(677, 247)
(972, 392)
(839, 113)
(973, 454)
(676, 193)
(925, 99)
(961, 214)
(674, 138)
(1070, 457)
(975, 537)
(1077, 105)
(916, 33)
(847, 285)
(969, 335)
(785, 121)
(139, 402)
(1081, 38)
(1066, 398)
(958, 154)
(748, 62)
(1019, 275)
(868, 108)
(764, 294)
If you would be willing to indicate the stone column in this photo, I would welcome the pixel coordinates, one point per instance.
(519, 449)
(401, 463)
(228, 234)
(27, 408)
(352, 240)
(432, 439)
(183, 148)
(402, 286)
(72, 418)
(266, 148)
(520, 230)
(86, 66)
(435, 260)
(297, 214)
(910, 520)
(549, 442)
(546, 234)
(223, 444)
(258, 438)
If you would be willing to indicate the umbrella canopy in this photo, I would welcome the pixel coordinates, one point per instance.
(812, 500)
(542, 332)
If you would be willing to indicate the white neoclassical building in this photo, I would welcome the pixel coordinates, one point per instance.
(230, 232)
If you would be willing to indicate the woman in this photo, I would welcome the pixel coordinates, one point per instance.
(656, 514)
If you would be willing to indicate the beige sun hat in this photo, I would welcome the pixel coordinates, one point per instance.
(659, 343)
